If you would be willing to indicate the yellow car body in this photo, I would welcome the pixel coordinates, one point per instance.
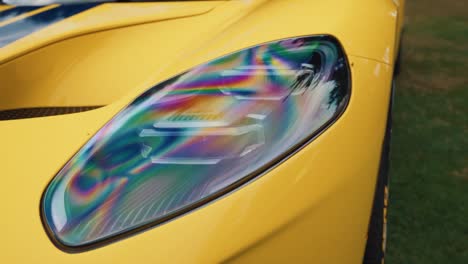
(312, 208)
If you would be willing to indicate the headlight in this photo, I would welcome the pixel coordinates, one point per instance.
(196, 137)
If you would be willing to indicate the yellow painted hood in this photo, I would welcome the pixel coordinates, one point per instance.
(26, 28)
(118, 49)
(43, 25)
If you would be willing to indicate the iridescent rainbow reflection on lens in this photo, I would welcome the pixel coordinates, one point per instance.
(194, 137)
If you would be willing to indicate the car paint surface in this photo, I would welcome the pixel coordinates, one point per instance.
(313, 207)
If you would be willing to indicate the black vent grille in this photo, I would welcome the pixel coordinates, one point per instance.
(42, 111)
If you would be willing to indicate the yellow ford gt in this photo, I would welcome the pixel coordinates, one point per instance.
(242, 131)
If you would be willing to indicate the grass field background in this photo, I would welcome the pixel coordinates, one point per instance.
(428, 214)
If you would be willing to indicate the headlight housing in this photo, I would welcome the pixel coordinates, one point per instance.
(195, 137)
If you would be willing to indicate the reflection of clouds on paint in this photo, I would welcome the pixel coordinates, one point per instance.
(9, 16)
(17, 32)
(14, 12)
(47, 2)
(14, 31)
(23, 27)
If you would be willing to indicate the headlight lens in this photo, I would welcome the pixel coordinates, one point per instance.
(194, 137)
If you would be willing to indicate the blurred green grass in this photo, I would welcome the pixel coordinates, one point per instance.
(428, 214)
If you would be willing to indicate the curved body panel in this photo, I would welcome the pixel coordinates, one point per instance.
(313, 207)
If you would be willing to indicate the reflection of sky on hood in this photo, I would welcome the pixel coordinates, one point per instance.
(47, 2)
(18, 33)
(16, 30)
(13, 12)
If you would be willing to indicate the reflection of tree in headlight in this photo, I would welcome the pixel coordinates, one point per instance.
(304, 77)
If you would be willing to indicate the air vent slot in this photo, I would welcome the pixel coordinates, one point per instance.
(23, 113)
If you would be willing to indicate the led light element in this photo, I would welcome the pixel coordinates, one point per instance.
(195, 137)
